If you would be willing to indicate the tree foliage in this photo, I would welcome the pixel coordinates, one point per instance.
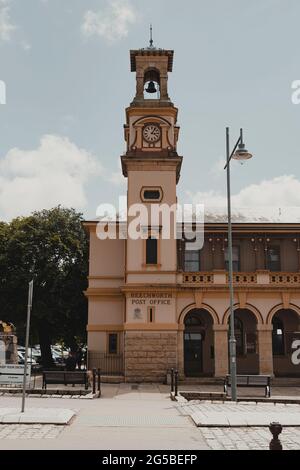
(51, 248)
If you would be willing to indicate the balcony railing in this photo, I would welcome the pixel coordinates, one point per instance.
(198, 278)
(241, 278)
(285, 278)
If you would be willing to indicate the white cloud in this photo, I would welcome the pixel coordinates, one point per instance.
(278, 198)
(54, 173)
(26, 46)
(116, 177)
(6, 26)
(112, 23)
(217, 168)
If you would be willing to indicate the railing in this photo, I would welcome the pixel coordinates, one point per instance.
(198, 278)
(109, 364)
(258, 278)
(243, 278)
(284, 278)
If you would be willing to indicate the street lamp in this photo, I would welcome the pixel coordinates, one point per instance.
(239, 153)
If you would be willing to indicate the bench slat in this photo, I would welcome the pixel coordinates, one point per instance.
(65, 377)
(250, 381)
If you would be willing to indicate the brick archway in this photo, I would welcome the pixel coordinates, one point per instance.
(249, 307)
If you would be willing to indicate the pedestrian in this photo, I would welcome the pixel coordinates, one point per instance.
(71, 362)
(79, 356)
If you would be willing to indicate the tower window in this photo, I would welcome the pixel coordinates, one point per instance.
(153, 194)
(151, 250)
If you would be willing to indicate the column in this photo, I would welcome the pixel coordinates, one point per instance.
(221, 350)
(265, 350)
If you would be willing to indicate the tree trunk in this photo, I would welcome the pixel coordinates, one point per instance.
(45, 344)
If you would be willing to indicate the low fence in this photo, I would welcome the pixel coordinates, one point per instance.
(109, 364)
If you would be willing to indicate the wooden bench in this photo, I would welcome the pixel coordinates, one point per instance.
(65, 378)
(250, 381)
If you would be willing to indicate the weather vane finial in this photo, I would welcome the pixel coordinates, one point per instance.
(151, 38)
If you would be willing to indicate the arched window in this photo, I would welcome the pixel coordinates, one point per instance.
(193, 320)
(278, 337)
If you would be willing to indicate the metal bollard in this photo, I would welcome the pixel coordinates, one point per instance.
(275, 429)
(99, 382)
(172, 380)
(94, 381)
(176, 383)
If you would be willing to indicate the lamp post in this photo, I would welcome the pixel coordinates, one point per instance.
(238, 153)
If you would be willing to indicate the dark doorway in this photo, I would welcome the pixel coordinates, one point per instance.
(245, 329)
(286, 330)
(194, 346)
(193, 360)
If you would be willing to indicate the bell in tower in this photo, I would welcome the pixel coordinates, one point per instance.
(152, 66)
(151, 129)
(151, 88)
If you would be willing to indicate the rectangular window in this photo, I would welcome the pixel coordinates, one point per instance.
(151, 250)
(273, 258)
(191, 261)
(235, 258)
(113, 343)
(151, 314)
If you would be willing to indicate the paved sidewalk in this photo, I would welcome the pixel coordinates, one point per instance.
(241, 414)
(251, 438)
(35, 416)
(122, 419)
(26, 431)
(129, 418)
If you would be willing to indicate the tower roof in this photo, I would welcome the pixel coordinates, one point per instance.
(151, 51)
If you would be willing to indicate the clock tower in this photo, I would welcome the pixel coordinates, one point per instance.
(152, 165)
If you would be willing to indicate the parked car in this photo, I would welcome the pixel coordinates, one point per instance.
(21, 359)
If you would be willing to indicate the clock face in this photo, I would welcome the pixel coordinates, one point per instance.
(151, 133)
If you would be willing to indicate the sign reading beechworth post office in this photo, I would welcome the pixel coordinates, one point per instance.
(147, 305)
(151, 298)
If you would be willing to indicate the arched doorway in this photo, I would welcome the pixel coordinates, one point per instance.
(246, 341)
(286, 329)
(198, 344)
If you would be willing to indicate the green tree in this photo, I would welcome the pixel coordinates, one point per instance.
(50, 247)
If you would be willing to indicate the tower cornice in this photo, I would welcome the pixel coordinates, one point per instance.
(148, 52)
(165, 161)
(153, 109)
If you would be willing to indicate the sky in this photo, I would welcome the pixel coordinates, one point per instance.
(64, 65)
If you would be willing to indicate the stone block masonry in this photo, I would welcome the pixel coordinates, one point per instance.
(148, 356)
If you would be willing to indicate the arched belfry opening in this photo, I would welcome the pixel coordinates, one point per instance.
(152, 67)
(152, 84)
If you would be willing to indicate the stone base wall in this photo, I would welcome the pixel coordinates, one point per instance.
(148, 356)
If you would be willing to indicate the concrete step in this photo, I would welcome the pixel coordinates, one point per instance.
(275, 381)
(112, 379)
(201, 381)
(285, 381)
